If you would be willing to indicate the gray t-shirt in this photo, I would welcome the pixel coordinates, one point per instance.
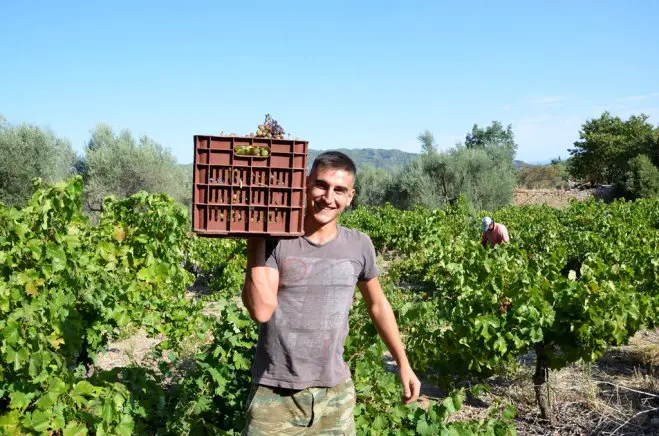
(302, 344)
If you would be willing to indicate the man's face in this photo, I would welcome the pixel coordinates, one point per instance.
(491, 227)
(329, 192)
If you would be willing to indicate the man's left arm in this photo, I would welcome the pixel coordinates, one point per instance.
(383, 317)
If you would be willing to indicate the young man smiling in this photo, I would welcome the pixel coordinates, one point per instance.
(300, 291)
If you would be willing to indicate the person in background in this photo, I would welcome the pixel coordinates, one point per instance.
(493, 233)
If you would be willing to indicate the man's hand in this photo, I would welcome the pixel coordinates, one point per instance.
(411, 385)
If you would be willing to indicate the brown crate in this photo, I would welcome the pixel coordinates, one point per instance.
(248, 196)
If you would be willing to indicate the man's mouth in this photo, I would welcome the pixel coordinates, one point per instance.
(321, 208)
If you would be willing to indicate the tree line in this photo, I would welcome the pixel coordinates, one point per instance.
(112, 163)
(481, 168)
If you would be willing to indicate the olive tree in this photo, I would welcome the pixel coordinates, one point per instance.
(27, 152)
(120, 165)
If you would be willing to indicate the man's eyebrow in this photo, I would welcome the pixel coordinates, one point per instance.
(338, 187)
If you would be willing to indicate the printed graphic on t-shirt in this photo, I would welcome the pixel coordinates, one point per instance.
(316, 295)
(316, 292)
(297, 271)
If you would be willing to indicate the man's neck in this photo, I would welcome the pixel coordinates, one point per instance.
(320, 234)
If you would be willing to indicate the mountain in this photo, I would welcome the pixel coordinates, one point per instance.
(373, 157)
(385, 159)
(518, 164)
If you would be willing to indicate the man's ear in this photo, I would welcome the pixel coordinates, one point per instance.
(351, 196)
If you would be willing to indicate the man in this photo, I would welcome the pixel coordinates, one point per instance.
(301, 291)
(493, 233)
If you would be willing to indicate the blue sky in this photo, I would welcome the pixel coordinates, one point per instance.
(340, 74)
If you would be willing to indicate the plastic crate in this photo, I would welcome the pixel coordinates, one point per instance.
(248, 196)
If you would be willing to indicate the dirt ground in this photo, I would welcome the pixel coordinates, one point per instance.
(552, 197)
(616, 395)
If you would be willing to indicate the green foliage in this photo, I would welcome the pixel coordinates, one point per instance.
(485, 176)
(140, 238)
(484, 172)
(211, 399)
(472, 311)
(372, 186)
(412, 186)
(27, 152)
(607, 144)
(379, 410)
(121, 166)
(493, 135)
(642, 178)
(222, 262)
(401, 232)
(427, 140)
(67, 287)
(542, 177)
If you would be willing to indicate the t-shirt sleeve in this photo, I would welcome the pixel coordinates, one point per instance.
(272, 250)
(504, 234)
(369, 269)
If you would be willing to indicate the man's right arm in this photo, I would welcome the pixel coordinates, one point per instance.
(261, 283)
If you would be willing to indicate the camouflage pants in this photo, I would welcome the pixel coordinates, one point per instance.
(311, 411)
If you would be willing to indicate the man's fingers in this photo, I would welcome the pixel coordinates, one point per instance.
(412, 390)
(411, 386)
(416, 389)
(406, 388)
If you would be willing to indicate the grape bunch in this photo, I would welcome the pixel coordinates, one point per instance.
(252, 150)
(270, 129)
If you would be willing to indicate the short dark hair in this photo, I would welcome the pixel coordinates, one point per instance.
(334, 160)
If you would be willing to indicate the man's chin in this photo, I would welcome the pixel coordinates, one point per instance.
(323, 218)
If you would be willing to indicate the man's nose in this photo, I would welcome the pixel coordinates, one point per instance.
(328, 195)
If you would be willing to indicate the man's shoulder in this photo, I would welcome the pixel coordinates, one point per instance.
(354, 235)
(284, 243)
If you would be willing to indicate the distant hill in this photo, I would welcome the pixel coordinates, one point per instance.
(518, 164)
(386, 159)
(373, 157)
